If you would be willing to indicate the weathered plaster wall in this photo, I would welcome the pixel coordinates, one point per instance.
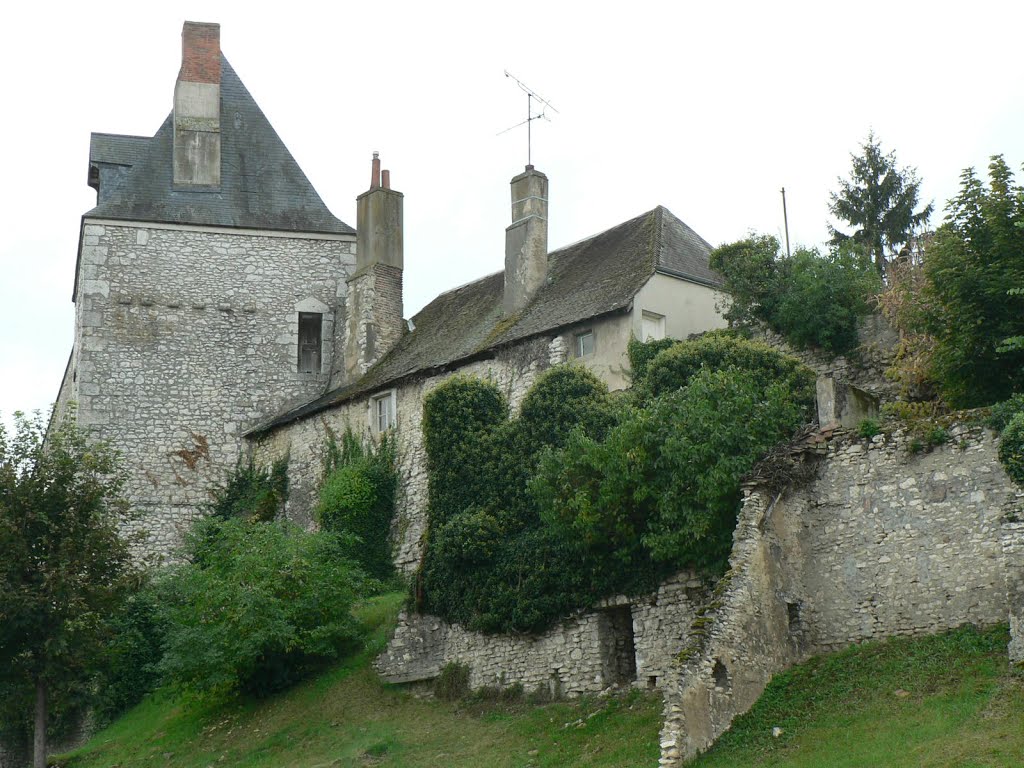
(514, 370)
(883, 543)
(581, 655)
(186, 336)
(688, 308)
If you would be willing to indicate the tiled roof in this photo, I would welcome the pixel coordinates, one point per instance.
(262, 187)
(590, 278)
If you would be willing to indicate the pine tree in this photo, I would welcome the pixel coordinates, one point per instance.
(878, 201)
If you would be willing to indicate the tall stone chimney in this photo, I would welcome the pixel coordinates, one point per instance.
(526, 240)
(375, 322)
(197, 108)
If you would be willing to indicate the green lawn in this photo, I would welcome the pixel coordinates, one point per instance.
(949, 700)
(347, 717)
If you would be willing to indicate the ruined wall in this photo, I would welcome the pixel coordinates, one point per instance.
(514, 370)
(187, 335)
(884, 542)
(624, 642)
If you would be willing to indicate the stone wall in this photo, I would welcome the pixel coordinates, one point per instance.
(185, 336)
(624, 642)
(884, 542)
(513, 369)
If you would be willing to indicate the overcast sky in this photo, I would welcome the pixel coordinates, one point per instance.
(708, 109)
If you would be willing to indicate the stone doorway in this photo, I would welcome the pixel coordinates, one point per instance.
(618, 647)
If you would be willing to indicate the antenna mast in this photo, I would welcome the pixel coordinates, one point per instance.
(530, 117)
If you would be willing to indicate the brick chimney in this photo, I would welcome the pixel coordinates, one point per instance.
(526, 240)
(197, 108)
(375, 322)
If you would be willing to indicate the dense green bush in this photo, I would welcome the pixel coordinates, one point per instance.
(358, 497)
(640, 354)
(813, 300)
(602, 497)
(1003, 412)
(665, 485)
(673, 368)
(256, 606)
(252, 492)
(1011, 449)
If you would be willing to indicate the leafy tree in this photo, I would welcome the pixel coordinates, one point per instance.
(878, 201)
(813, 300)
(975, 257)
(64, 568)
(257, 606)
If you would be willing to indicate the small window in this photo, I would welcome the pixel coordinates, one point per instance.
(310, 334)
(653, 326)
(382, 412)
(584, 344)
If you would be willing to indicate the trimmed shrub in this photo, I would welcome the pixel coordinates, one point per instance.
(1011, 449)
(358, 498)
(257, 606)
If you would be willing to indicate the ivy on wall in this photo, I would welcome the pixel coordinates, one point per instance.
(587, 494)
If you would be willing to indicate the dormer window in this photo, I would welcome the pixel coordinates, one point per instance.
(311, 325)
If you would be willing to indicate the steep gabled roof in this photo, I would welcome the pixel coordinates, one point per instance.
(262, 187)
(593, 277)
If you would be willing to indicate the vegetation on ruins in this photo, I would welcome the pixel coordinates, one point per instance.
(64, 569)
(811, 299)
(587, 494)
(878, 202)
(357, 497)
(252, 492)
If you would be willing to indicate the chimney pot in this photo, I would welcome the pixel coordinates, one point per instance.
(375, 171)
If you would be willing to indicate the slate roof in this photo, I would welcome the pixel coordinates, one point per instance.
(262, 187)
(593, 277)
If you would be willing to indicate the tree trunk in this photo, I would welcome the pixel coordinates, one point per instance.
(39, 746)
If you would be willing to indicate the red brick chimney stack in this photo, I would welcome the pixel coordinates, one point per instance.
(197, 108)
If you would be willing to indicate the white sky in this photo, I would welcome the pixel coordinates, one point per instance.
(705, 108)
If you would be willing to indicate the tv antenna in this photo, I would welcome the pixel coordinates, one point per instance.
(531, 96)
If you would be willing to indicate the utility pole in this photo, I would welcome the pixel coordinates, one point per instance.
(785, 220)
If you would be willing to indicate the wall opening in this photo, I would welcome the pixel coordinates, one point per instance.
(618, 645)
(793, 613)
(311, 325)
(720, 675)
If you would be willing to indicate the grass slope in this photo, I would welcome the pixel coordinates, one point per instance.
(347, 717)
(948, 700)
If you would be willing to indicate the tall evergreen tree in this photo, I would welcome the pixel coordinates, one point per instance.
(972, 265)
(878, 201)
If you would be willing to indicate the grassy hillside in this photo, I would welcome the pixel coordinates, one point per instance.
(943, 701)
(949, 700)
(347, 717)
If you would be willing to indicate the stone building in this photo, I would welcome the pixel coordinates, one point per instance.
(221, 309)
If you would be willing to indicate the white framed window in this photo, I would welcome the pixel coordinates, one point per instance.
(652, 326)
(382, 412)
(584, 343)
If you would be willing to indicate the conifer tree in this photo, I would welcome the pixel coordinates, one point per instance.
(878, 202)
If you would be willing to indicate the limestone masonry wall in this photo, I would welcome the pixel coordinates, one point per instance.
(883, 543)
(514, 370)
(185, 337)
(623, 642)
